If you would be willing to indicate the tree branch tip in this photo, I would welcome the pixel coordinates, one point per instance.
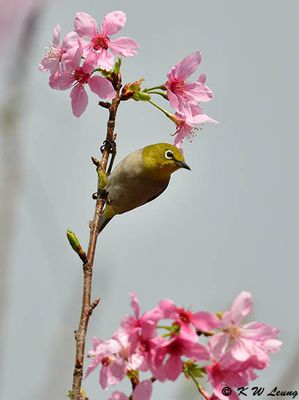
(95, 303)
(93, 306)
(104, 104)
(95, 161)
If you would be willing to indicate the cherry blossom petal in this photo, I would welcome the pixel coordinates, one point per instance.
(168, 307)
(118, 396)
(85, 25)
(72, 60)
(205, 321)
(118, 370)
(50, 62)
(96, 341)
(159, 372)
(56, 35)
(113, 22)
(198, 92)
(90, 63)
(91, 367)
(240, 350)
(124, 46)
(136, 360)
(173, 367)
(202, 78)
(102, 87)
(103, 378)
(242, 306)
(183, 69)
(272, 345)
(243, 349)
(135, 304)
(149, 320)
(143, 390)
(257, 330)
(173, 100)
(219, 344)
(196, 350)
(181, 134)
(109, 347)
(61, 80)
(105, 60)
(79, 100)
(70, 41)
(201, 118)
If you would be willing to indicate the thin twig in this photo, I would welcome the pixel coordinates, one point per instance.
(87, 306)
(201, 390)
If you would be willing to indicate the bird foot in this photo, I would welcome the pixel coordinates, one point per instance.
(101, 193)
(110, 145)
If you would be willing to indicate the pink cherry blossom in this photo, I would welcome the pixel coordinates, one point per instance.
(182, 94)
(118, 396)
(187, 126)
(115, 356)
(233, 375)
(54, 56)
(104, 353)
(201, 320)
(78, 76)
(143, 391)
(97, 42)
(132, 358)
(141, 325)
(242, 343)
(141, 329)
(169, 352)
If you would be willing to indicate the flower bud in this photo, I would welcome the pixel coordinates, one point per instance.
(141, 96)
(130, 89)
(76, 246)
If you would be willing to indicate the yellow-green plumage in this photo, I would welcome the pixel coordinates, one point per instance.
(140, 177)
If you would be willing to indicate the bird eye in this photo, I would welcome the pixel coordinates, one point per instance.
(168, 154)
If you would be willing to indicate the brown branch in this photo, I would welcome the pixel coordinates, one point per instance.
(87, 306)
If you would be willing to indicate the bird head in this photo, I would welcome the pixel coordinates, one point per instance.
(162, 159)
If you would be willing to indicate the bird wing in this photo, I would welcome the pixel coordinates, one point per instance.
(157, 194)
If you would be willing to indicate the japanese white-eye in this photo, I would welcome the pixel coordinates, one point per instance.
(140, 177)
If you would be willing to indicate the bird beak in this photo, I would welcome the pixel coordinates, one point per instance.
(182, 164)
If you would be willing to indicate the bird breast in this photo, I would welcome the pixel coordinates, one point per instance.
(129, 186)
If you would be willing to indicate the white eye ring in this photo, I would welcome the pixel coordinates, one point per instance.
(168, 154)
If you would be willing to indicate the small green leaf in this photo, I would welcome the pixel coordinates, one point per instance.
(117, 66)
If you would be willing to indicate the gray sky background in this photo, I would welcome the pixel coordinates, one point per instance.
(231, 224)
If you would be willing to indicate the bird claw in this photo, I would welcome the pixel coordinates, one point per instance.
(101, 193)
(111, 146)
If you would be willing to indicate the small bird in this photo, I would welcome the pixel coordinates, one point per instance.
(139, 178)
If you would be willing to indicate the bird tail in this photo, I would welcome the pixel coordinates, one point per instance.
(106, 217)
